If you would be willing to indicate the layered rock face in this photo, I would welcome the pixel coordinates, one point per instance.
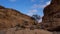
(51, 19)
(10, 18)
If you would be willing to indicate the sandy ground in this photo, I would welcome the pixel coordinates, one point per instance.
(24, 31)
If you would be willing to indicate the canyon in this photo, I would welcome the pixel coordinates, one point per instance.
(15, 22)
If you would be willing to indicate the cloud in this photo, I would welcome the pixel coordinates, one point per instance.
(12, 0)
(38, 6)
(41, 5)
(39, 21)
(31, 12)
(47, 3)
(34, 7)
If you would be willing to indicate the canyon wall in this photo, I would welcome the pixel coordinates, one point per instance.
(10, 18)
(51, 18)
(14, 22)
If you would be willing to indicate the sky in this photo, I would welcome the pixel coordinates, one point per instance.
(28, 7)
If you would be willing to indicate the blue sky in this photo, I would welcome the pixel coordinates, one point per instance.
(28, 7)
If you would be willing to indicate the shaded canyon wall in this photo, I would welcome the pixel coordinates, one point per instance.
(51, 18)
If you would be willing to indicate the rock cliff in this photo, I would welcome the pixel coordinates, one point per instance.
(10, 18)
(14, 22)
(51, 18)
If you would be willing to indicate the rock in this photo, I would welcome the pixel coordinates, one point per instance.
(51, 18)
(1, 7)
(10, 18)
(25, 31)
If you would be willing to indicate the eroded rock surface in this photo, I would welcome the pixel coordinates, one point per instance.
(51, 19)
(10, 18)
